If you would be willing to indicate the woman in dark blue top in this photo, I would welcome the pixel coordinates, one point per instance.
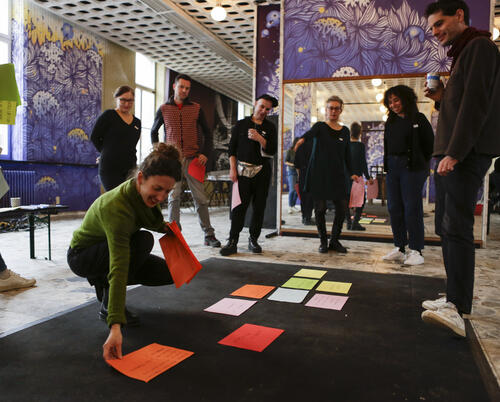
(325, 176)
(408, 144)
(115, 135)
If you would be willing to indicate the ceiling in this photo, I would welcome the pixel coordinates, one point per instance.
(181, 35)
(359, 98)
(177, 33)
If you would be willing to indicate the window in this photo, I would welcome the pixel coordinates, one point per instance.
(4, 58)
(145, 100)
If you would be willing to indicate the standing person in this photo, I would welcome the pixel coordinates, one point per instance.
(359, 168)
(253, 142)
(302, 156)
(186, 128)
(291, 177)
(408, 139)
(111, 251)
(467, 138)
(9, 280)
(329, 164)
(115, 135)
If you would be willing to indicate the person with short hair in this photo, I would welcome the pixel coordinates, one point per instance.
(326, 173)
(115, 135)
(408, 139)
(111, 250)
(253, 143)
(359, 168)
(186, 128)
(467, 137)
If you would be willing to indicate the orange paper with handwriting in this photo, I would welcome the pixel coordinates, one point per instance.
(253, 291)
(181, 262)
(150, 361)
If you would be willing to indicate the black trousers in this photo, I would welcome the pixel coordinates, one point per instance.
(319, 213)
(111, 179)
(456, 196)
(144, 269)
(252, 190)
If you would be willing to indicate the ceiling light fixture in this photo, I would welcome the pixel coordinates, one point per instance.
(376, 82)
(218, 13)
(379, 97)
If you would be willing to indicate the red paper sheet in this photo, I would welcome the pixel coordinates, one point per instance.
(181, 262)
(252, 337)
(150, 361)
(197, 170)
(357, 193)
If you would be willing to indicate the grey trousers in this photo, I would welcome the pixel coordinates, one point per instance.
(199, 197)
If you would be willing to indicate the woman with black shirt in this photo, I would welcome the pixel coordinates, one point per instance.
(115, 135)
(329, 164)
(408, 144)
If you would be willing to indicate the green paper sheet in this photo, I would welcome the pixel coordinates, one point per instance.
(9, 94)
(334, 287)
(300, 283)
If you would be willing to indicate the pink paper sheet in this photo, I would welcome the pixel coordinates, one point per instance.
(235, 197)
(321, 300)
(357, 193)
(231, 306)
(372, 190)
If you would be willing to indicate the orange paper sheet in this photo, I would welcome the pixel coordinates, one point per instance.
(181, 262)
(253, 291)
(252, 337)
(148, 362)
(197, 170)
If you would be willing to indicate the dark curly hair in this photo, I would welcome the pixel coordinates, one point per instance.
(408, 101)
(164, 160)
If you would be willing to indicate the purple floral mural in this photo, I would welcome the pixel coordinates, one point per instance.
(342, 38)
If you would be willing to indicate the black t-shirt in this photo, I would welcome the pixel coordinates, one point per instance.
(116, 141)
(397, 136)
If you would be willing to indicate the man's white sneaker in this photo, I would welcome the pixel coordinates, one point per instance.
(446, 317)
(434, 304)
(394, 255)
(414, 258)
(15, 281)
(291, 211)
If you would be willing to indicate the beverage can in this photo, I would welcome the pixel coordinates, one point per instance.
(433, 81)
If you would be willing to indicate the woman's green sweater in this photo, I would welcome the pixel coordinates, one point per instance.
(114, 217)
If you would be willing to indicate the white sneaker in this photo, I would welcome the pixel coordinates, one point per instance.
(446, 317)
(413, 258)
(15, 281)
(394, 255)
(434, 304)
(290, 211)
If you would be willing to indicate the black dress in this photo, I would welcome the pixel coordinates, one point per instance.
(116, 141)
(330, 162)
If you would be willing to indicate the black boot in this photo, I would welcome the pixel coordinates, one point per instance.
(253, 246)
(321, 225)
(132, 319)
(334, 239)
(357, 217)
(348, 219)
(230, 248)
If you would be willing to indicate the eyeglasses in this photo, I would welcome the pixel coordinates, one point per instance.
(125, 100)
(335, 109)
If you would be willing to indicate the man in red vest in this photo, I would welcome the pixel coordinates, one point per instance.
(186, 128)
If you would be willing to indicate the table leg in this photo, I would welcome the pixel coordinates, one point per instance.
(31, 220)
(48, 226)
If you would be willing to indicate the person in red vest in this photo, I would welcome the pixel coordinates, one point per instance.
(186, 128)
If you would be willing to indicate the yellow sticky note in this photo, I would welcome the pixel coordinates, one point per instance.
(334, 287)
(8, 112)
(310, 273)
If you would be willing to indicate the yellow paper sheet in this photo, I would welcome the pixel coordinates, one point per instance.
(310, 273)
(300, 283)
(334, 287)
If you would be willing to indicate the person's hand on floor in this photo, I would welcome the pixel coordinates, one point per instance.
(112, 348)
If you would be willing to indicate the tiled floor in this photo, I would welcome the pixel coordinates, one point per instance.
(59, 290)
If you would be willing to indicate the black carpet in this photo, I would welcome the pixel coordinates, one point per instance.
(375, 349)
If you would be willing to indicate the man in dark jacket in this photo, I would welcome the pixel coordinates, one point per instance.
(186, 128)
(467, 137)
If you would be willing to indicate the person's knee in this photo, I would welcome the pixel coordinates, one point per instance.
(142, 240)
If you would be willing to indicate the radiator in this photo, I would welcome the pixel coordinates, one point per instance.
(22, 184)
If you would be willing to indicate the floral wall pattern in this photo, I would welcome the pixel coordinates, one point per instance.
(342, 38)
(59, 73)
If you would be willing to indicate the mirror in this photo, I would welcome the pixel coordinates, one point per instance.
(304, 103)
